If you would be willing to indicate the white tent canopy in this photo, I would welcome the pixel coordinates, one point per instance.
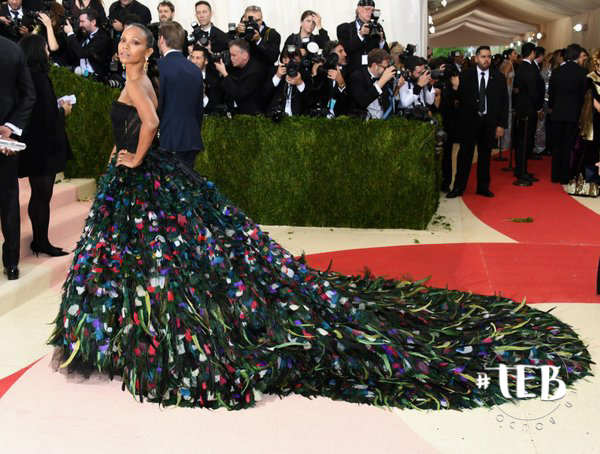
(472, 22)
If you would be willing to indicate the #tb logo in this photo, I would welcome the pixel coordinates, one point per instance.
(549, 375)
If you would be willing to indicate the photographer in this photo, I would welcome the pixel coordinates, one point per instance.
(264, 41)
(418, 89)
(286, 90)
(117, 14)
(362, 36)
(308, 22)
(15, 21)
(80, 5)
(93, 52)
(205, 33)
(329, 87)
(242, 83)
(55, 36)
(212, 94)
(372, 88)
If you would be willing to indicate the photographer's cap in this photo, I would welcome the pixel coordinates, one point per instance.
(366, 3)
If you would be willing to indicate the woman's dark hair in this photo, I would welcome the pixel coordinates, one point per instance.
(307, 13)
(79, 3)
(34, 49)
(152, 73)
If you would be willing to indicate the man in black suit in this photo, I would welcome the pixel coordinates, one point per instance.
(122, 8)
(356, 36)
(566, 95)
(242, 83)
(180, 105)
(213, 96)
(17, 98)
(217, 38)
(372, 88)
(529, 105)
(93, 53)
(264, 42)
(15, 20)
(483, 117)
(285, 93)
(330, 89)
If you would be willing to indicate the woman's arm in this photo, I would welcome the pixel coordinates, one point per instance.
(52, 42)
(147, 112)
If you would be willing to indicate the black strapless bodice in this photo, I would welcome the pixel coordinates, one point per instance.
(126, 126)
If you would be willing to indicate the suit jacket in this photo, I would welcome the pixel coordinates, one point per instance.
(567, 91)
(355, 47)
(267, 52)
(363, 91)
(180, 105)
(46, 138)
(276, 95)
(295, 40)
(468, 99)
(244, 87)
(17, 96)
(218, 39)
(8, 31)
(117, 11)
(323, 90)
(530, 97)
(97, 51)
(212, 89)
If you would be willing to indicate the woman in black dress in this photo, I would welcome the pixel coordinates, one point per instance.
(47, 144)
(56, 37)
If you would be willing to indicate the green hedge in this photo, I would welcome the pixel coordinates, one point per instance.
(303, 171)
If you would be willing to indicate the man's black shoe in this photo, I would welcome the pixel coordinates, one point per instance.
(529, 177)
(535, 157)
(453, 194)
(486, 193)
(522, 182)
(12, 273)
(445, 188)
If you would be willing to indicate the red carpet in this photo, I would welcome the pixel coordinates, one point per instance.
(7, 382)
(558, 219)
(560, 273)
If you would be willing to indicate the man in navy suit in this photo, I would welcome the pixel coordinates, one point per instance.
(180, 104)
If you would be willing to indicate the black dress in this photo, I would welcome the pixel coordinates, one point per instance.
(48, 147)
(177, 290)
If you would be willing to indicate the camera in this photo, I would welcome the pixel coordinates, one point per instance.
(292, 68)
(251, 27)
(224, 56)
(375, 28)
(198, 36)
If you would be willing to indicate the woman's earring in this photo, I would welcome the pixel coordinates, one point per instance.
(146, 66)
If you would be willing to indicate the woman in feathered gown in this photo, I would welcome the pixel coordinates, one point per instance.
(176, 290)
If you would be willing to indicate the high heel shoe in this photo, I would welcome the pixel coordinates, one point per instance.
(48, 250)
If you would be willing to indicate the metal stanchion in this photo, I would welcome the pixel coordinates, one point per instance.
(499, 157)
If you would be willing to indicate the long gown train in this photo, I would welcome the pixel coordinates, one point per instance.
(176, 290)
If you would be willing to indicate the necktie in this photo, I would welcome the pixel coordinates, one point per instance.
(482, 94)
(15, 14)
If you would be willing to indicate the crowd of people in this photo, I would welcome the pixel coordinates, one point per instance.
(527, 102)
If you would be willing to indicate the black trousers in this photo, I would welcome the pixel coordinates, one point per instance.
(10, 217)
(188, 157)
(447, 157)
(563, 142)
(484, 141)
(525, 142)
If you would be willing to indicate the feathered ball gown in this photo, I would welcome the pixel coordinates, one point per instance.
(176, 290)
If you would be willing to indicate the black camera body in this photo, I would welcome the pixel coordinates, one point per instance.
(199, 36)
(251, 27)
(224, 56)
(375, 28)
